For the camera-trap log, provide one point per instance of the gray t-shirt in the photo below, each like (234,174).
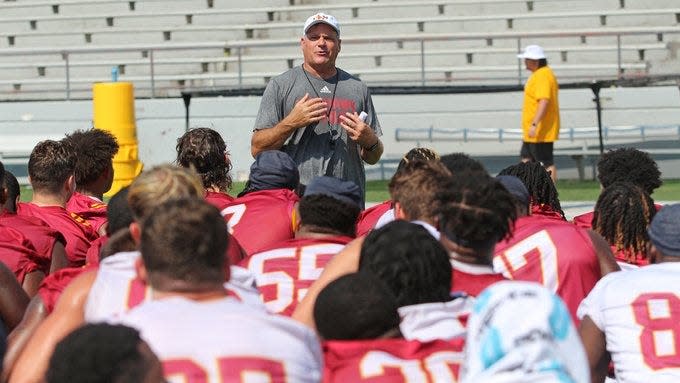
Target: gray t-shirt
(320,149)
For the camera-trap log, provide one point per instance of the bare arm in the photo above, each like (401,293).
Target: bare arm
(540,113)
(596,349)
(17,339)
(604,254)
(32,282)
(306,111)
(68,314)
(13,299)
(59,260)
(345,262)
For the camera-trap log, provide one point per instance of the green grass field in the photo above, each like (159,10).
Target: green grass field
(569,190)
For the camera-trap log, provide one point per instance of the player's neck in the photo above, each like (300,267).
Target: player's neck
(325,72)
(184,290)
(91,193)
(42,200)
(306,231)
(464,254)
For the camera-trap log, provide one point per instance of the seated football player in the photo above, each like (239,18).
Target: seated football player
(519,332)
(182,245)
(327,215)
(104,353)
(544,199)
(357,317)
(95,150)
(269,196)
(566,259)
(206,151)
(383,213)
(622,215)
(48,243)
(51,170)
(624,165)
(631,317)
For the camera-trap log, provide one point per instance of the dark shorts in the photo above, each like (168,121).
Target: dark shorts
(539,152)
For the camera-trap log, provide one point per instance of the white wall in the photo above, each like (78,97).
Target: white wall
(161,121)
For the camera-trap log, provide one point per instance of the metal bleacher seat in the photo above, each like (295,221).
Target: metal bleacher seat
(383,42)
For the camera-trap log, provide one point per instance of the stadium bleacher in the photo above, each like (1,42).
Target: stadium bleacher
(44,44)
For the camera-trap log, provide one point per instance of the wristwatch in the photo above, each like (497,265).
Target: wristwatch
(373,147)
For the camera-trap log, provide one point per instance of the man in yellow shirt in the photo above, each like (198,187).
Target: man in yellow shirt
(541,110)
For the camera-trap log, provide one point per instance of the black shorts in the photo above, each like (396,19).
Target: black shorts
(539,152)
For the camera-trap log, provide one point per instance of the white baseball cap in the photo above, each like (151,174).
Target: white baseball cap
(532,52)
(321,18)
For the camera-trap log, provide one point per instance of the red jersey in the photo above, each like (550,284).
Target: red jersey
(545,211)
(42,236)
(472,279)
(585,220)
(77,231)
(556,254)
(392,361)
(284,273)
(218,199)
(92,209)
(262,218)
(19,255)
(54,284)
(369,217)
(92,256)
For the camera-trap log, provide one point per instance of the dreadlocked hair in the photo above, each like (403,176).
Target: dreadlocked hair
(475,211)
(422,154)
(622,215)
(538,182)
(629,165)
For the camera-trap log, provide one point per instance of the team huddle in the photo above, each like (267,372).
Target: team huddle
(460,276)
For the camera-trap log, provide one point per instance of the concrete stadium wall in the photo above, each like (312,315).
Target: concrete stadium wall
(161,121)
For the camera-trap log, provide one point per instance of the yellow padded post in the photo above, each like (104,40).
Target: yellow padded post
(114,111)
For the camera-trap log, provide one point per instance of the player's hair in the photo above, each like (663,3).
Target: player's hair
(422,154)
(476,212)
(629,165)
(622,215)
(206,151)
(99,353)
(355,306)
(415,186)
(461,162)
(325,214)
(11,185)
(118,242)
(184,240)
(538,182)
(95,149)
(51,163)
(118,212)
(161,184)
(410,261)
(542,63)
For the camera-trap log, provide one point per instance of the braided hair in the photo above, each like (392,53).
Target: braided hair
(631,165)
(476,211)
(538,182)
(622,215)
(422,154)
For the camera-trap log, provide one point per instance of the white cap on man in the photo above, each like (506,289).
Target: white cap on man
(321,18)
(532,52)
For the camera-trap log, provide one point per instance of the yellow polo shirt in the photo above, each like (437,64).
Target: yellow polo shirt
(542,84)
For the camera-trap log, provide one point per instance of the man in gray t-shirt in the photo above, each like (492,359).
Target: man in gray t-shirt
(314,112)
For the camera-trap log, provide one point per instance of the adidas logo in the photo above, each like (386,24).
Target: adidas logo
(325,89)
